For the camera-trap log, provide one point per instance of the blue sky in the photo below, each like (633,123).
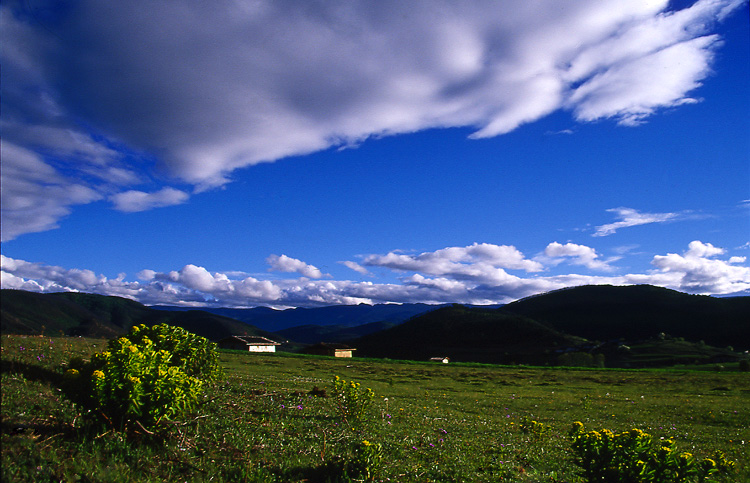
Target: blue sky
(303,154)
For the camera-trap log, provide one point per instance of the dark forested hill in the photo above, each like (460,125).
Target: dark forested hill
(467,334)
(603,312)
(102,316)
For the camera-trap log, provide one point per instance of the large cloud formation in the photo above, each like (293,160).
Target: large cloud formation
(105,91)
(470,274)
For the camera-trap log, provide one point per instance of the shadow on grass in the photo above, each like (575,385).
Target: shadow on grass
(37,430)
(32,372)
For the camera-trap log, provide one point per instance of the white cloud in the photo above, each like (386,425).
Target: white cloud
(481,263)
(34,195)
(576,254)
(270,79)
(630,217)
(51,277)
(650,62)
(287,264)
(132,200)
(697,249)
(697,270)
(357,268)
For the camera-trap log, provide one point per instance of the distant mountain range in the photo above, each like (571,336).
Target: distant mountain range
(632,326)
(342,316)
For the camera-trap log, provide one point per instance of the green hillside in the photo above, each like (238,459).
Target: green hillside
(91,315)
(604,312)
(467,334)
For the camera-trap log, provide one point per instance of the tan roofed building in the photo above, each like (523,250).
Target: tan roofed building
(248,343)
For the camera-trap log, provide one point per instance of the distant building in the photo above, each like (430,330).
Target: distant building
(443,360)
(248,343)
(330,349)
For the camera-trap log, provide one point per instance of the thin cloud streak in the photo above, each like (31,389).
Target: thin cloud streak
(630,217)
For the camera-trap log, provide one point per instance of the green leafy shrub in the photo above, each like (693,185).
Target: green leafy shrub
(633,457)
(366,461)
(351,400)
(150,375)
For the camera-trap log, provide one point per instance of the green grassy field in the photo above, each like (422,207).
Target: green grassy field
(435,422)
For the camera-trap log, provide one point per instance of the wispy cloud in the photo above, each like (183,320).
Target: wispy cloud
(271,79)
(699,269)
(287,264)
(357,268)
(630,217)
(133,200)
(35,195)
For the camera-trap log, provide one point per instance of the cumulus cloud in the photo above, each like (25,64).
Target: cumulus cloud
(482,263)
(104,88)
(287,264)
(576,254)
(132,200)
(630,217)
(698,270)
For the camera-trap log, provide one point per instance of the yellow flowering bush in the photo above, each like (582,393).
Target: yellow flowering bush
(351,400)
(533,428)
(633,457)
(150,375)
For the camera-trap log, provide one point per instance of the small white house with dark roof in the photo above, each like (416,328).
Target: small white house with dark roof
(248,343)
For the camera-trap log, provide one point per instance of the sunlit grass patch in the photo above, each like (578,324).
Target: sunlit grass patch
(266,421)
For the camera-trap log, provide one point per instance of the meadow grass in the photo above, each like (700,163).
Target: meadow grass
(434,422)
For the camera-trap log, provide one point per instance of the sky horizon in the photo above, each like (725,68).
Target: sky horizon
(302,154)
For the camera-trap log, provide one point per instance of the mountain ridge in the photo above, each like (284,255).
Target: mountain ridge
(578,322)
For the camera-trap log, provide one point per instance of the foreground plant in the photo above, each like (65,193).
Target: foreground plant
(366,461)
(633,457)
(351,400)
(151,375)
